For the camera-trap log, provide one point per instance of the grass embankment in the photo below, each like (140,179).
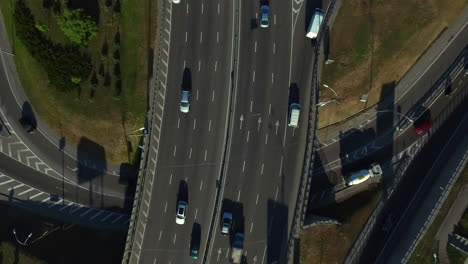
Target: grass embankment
(373,44)
(428,246)
(97,112)
(331,243)
(54,242)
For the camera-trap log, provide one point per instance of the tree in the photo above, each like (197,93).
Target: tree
(78,27)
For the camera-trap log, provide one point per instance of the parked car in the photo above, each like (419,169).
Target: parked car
(422,124)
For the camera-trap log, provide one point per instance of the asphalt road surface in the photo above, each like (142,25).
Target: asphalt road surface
(191,145)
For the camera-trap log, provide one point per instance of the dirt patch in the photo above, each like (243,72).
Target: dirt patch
(383,41)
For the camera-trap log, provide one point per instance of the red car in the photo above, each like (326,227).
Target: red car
(422,124)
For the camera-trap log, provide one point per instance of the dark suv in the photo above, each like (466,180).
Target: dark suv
(27,125)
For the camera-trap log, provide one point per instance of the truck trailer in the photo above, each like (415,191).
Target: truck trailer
(364,175)
(315,23)
(237,248)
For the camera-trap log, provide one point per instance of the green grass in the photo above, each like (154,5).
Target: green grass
(99,114)
(455,256)
(10,253)
(428,245)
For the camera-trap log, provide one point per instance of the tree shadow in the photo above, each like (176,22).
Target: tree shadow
(187,80)
(27,113)
(277,232)
(90,8)
(128,176)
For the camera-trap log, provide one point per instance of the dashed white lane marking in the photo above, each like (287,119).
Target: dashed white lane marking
(206,152)
(57,202)
(251,106)
(201,185)
(21,193)
(281,166)
(201,37)
(190,154)
(243,166)
(66,206)
(255,48)
(194,123)
(197,94)
(274,19)
(253,76)
(46,199)
(184,64)
(36,195)
(212,96)
(261,171)
(248,135)
(199,65)
(238,195)
(178,122)
(217,37)
(86,212)
(187,8)
(256,201)
(264,250)
(276,194)
(16,187)
(170,179)
(269,109)
(76,209)
(274,47)
(175,236)
(202,8)
(160,234)
(266,138)
(218,8)
(165,207)
(251,227)
(96,215)
(209,126)
(272,77)
(196,213)
(175,149)
(186,37)
(216,65)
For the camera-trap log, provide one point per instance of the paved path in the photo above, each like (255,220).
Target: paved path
(452,218)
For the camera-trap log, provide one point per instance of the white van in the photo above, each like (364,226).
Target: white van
(294,111)
(315,23)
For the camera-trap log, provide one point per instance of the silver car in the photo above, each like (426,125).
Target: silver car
(185,101)
(181,212)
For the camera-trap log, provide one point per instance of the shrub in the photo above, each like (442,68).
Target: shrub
(78,27)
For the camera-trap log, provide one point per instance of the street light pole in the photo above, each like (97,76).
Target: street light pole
(25,241)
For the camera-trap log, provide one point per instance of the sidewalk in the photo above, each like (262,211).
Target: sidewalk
(330,134)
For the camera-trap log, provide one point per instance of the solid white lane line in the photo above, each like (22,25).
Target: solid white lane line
(170,179)
(281,166)
(206,152)
(201,37)
(269,109)
(266,138)
(165,207)
(261,172)
(160,234)
(209,126)
(253,76)
(251,105)
(238,196)
(216,65)
(175,149)
(243,167)
(194,123)
(178,122)
(190,154)
(199,65)
(212,96)
(256,201)
(202,8)
(201,185)
(248,135)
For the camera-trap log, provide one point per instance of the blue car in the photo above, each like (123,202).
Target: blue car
(264,9)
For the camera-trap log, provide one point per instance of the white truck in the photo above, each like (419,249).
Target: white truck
(237,247)
(315,23)
(363,175)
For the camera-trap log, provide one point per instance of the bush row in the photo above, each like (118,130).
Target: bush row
(66,66)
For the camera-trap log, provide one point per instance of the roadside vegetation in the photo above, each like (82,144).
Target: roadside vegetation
(428,246)
(331,243)
(84,66)
(383,41)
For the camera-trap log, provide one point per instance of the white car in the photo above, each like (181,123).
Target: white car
(185,101)
(181,212)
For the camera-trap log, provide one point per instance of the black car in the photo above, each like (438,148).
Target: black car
(27,125)
(449,90)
